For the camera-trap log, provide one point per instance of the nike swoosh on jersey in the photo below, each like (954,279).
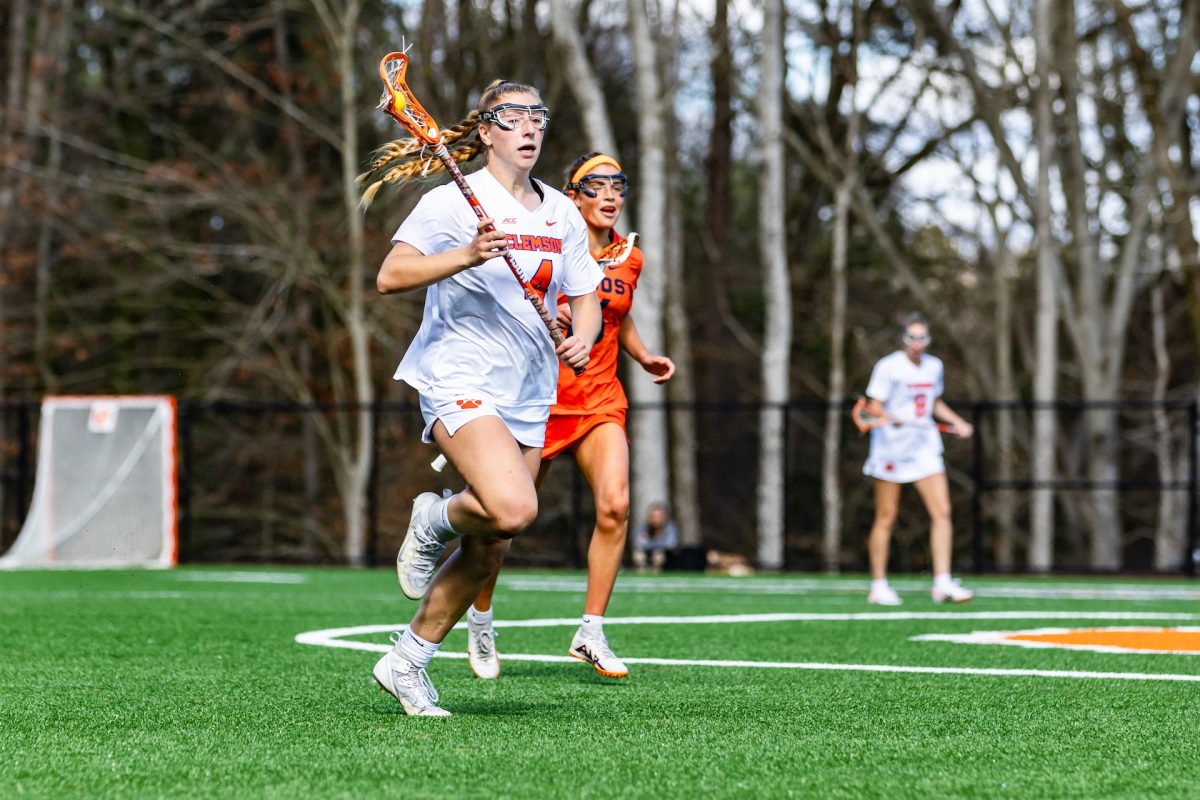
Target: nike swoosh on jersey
(549,223)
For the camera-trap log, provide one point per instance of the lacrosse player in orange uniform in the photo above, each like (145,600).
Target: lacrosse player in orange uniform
(589,418)
(483,362)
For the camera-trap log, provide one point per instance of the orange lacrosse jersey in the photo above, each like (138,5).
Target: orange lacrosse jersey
(597,390)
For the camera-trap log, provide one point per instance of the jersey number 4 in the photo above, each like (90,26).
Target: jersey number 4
(541,279)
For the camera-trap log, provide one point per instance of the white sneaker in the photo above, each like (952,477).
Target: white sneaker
(408,683)
(419,554)
(951,592)
(481,649)
(884,596)
(595,651)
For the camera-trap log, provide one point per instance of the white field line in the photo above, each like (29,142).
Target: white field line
(1002,637)
(328,638)
(333,637)
(241,577)
(804,587)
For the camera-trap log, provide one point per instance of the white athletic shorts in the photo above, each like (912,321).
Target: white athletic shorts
(526,423)
(909,470)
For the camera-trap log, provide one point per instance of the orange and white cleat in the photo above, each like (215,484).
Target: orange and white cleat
(595,651)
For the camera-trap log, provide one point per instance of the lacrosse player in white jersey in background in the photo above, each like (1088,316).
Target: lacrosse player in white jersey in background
(905,393)
(482,361)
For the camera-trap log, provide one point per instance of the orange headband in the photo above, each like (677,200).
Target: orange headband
(591,164)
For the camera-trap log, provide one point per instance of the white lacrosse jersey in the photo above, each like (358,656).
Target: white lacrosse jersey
(908,392)
(478,331)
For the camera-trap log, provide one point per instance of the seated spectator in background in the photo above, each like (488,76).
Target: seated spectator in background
(655,539)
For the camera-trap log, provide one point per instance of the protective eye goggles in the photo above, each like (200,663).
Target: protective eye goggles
(592,185)
(510,115)
(917,338)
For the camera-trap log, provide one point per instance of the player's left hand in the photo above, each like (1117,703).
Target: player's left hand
(574,352)
(661,367)
(964,429)
(564,315)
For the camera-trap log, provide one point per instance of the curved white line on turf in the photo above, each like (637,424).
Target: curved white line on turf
(332,637)
(1001,637)
(325,637)
(804,665)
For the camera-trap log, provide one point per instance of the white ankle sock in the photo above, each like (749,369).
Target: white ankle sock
(879,583)
(439,520)
(593,625)
(942,581)
(415,649)
(480,617)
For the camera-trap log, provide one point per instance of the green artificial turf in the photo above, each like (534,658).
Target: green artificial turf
(189,683)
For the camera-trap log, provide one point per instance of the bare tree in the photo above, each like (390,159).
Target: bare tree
(582,78)
(777,333)
(1041,544)
(1168,539)
(847,159)
(650,479)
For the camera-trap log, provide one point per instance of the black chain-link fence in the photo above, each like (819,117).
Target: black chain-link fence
(257,483)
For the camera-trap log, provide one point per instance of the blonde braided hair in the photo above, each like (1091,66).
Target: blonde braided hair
(406,161)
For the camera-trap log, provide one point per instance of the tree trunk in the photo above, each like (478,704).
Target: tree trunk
(1041,544)
(301,211)
(831,488)
(58,58)
(777,333)
(649,479)
(681,388)
(359,462)
(1168,531)
(1004,499)
(582,80)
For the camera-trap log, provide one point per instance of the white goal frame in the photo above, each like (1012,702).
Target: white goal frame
(154,504)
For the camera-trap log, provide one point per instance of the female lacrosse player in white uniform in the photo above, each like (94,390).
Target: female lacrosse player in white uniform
(482,361)
(905,391)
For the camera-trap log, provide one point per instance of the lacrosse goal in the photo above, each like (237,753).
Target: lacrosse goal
(105,491)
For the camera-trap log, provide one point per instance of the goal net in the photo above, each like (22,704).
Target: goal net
(105,489)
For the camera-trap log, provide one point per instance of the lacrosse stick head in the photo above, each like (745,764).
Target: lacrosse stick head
(399,104)
(617,252)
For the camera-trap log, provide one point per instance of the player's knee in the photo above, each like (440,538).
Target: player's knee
(612,510)
(940,513)
(513,514)
(885,518)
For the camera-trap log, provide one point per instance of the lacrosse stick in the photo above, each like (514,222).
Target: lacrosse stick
(865,421)
(617,252)
(399,103)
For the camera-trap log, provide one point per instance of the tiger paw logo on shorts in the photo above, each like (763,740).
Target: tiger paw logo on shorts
(467,405)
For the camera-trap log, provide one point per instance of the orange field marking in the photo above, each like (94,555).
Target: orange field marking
(1133,639)
(1157,640)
